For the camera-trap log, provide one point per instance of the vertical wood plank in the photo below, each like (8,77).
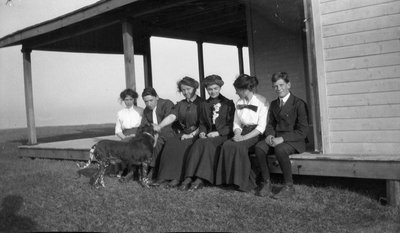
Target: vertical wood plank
(318,54)
(148,74)
(312,80)
(393,192)
(200,59)
(240,58)
(129,56)
(30,113)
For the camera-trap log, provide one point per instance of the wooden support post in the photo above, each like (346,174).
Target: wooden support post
(393,192)
(318,56)
(30,113)
(129,55)
(250,36)
(201,67)
(240,56)
(311,80)
(148,76)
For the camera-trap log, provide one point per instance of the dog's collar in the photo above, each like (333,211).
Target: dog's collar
(149,134)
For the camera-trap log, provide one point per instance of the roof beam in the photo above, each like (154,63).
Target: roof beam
(63,21)
(161,32)
(218,27)
(95,25)
(67,34)
(210,22)
(191,13)
(152,9)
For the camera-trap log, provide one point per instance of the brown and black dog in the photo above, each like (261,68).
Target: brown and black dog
(137,152)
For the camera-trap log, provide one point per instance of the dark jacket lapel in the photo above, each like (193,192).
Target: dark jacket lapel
(159,109)
(275,107)
(288,106)
(147,114)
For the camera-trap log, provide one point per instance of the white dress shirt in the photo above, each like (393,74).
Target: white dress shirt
(128,118)
(285,98)
(155,121)
(247,116)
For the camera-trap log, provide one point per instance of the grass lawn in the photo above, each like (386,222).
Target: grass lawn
(47,195)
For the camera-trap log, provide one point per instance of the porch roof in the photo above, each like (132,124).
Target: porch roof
(217,21)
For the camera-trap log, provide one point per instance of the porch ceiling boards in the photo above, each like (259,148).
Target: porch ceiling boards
(84,30)
(97,28)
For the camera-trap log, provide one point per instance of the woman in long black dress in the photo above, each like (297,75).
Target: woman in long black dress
(234,166)
(216,119)
(185,119)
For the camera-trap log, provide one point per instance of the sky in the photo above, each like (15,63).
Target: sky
(78,89)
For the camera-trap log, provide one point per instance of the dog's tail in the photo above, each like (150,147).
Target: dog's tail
(91,157)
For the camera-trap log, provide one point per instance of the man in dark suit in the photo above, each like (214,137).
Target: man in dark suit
(286,132)
(156,110)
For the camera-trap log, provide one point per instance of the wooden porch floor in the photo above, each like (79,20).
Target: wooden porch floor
(77,149)
(341,165)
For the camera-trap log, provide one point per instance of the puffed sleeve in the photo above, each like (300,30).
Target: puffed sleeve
(237,124)
(262,115)
(118,125)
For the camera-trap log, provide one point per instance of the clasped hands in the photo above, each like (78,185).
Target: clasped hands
(238,138)
(209,135)
(273,141)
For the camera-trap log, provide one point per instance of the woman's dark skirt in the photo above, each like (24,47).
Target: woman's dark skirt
(203,158)
(173,158)
(234,166)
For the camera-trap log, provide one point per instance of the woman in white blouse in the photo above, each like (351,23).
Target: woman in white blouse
(129,118)
(250,119)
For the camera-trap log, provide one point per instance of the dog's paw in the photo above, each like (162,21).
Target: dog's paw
(145,182)
(97,186)
(82,165)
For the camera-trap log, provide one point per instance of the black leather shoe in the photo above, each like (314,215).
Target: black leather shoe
(286,192)
(196,186)
(265,189)
(172,184)
(153,183)
(184,187)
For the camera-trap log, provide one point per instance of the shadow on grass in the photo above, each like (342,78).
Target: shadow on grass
(10,221)
(372,188)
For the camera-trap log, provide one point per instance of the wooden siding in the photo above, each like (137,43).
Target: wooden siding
(361,46)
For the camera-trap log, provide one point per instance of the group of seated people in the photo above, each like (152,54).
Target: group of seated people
(207,142)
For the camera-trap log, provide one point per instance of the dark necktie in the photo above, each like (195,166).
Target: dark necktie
(251,107)
(281,103)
